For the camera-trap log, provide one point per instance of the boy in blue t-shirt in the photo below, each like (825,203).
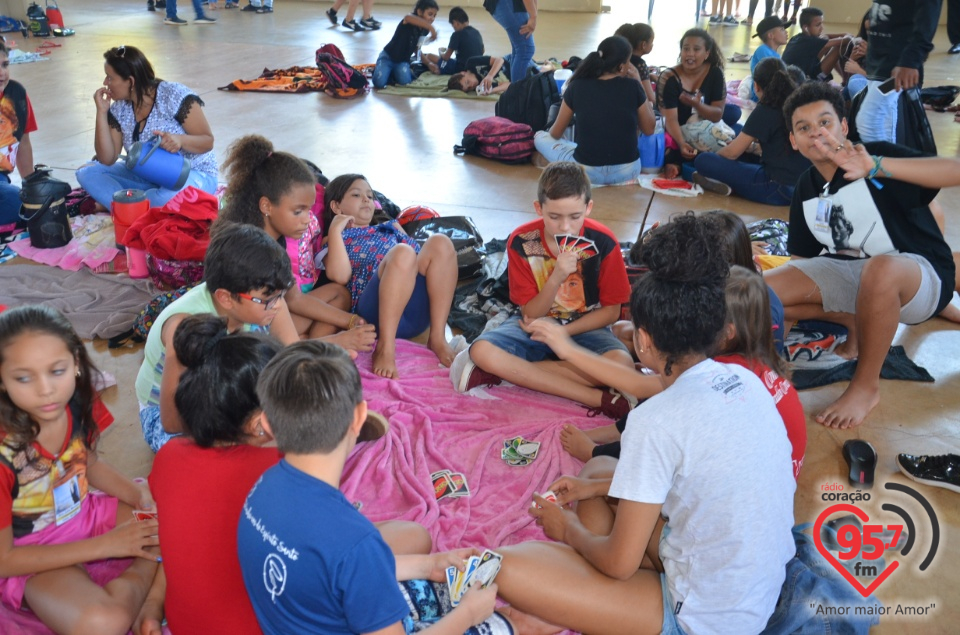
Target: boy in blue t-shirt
(312,563)
(773,34)
(466,42)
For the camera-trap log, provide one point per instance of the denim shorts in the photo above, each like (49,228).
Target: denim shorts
(670,624)
(416,315)
(514,340)
(153,432)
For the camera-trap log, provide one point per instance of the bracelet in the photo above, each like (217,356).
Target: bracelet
(352,324)
(878,168)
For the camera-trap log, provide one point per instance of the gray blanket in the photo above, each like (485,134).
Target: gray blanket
(98,305)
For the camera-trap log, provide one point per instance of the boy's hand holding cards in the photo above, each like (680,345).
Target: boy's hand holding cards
(583,247)
(547,496)
(482,569)
(449,484)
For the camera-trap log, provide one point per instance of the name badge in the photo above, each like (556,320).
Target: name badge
(66,498)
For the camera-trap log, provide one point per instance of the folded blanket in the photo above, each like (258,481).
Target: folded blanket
(96,305)
(430,85)
(433,428)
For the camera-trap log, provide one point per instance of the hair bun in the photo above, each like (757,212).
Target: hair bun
(196,337)
(685,251)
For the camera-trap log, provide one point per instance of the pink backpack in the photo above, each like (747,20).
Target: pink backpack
(497,138)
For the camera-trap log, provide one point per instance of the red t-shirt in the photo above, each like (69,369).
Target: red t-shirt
(200,494)
(600,279)
(40,472)
(788,404)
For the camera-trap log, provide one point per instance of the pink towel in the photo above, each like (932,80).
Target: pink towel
(432,428)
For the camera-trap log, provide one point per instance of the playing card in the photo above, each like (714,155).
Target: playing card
(529,449)
(442,485)
(452,583)
(518,462)
(439,473)
(547,496)
(139,514)
(465,578)
(565,241)
(488,568)
(459,484)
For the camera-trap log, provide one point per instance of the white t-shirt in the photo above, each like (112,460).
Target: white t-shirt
(713,449)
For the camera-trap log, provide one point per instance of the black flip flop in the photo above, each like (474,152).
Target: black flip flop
(862,459)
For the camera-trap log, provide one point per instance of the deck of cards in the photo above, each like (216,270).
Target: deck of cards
(483,569)
(518,451)
(141,514)
(583,247)
(449,484)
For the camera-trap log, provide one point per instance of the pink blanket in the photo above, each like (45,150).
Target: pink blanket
(432,428)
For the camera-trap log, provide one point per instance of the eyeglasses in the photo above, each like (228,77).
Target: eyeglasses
(267,303)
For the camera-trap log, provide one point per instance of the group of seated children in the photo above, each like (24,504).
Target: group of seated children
(659,561)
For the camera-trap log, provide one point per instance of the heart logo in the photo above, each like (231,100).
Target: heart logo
(817,539)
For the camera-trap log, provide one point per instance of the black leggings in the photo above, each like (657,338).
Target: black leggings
(767,12)
(612,449)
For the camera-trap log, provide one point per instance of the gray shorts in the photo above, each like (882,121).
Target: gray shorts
(839,284)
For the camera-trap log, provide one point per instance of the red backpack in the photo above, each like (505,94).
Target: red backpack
(343,80)
(497,138)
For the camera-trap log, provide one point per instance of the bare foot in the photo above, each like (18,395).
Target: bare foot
(443,351)
(671,171)
(847,349)
(385,360)
(951,312)
(527,624)
(576,442)
(851,408)
(360,338)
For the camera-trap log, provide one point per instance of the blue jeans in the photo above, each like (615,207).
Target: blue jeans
(386,67)
(522,46)
(172,8)
(9,201)
(811,581)
(731,117)
(748,180)
(562,150)
(102,181)
(511,338)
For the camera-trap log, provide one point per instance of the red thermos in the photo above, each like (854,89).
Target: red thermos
(54,17)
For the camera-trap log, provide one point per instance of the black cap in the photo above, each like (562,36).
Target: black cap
(767,24)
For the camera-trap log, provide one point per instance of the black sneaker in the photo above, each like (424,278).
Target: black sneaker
(250,8)
(332,14)
(938,471)
(150,6)
(370,23)
(354,25)
(712,185)
(175,21)
(205,19)
(265,10)
(161,4)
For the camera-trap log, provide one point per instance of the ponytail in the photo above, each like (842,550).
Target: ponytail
(609,56)
(772,78)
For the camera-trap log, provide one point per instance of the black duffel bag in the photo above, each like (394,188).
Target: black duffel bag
(44,209)
(461,231)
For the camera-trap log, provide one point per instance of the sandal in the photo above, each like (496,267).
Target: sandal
(49,45)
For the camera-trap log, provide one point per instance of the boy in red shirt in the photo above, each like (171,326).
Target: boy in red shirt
(563,267)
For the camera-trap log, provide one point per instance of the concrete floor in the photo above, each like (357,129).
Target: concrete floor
(404,148)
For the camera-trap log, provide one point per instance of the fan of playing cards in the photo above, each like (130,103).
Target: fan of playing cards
(483,569)
(584,247)
(518,451)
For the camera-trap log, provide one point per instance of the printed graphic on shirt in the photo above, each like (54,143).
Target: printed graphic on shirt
(848,222)
(13,120)
(579,293)
(274,575)
(729,384)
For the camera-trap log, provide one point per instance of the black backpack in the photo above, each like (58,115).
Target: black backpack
(939,97)
(913,127)
(529,100)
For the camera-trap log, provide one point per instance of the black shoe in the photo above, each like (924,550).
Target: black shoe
(150,6)
(332,15)
(353,25)
(250,8)
(939,471)
(161,4)
(954,49)
(370,23)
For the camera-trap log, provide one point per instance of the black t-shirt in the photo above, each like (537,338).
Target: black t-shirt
(467,42)
(480,65)
(900,34)
(865,221)
(404,42)
(804,51)
(782,163)
(713,88)
(607,119)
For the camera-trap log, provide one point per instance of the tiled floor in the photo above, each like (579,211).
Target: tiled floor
(404,148)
